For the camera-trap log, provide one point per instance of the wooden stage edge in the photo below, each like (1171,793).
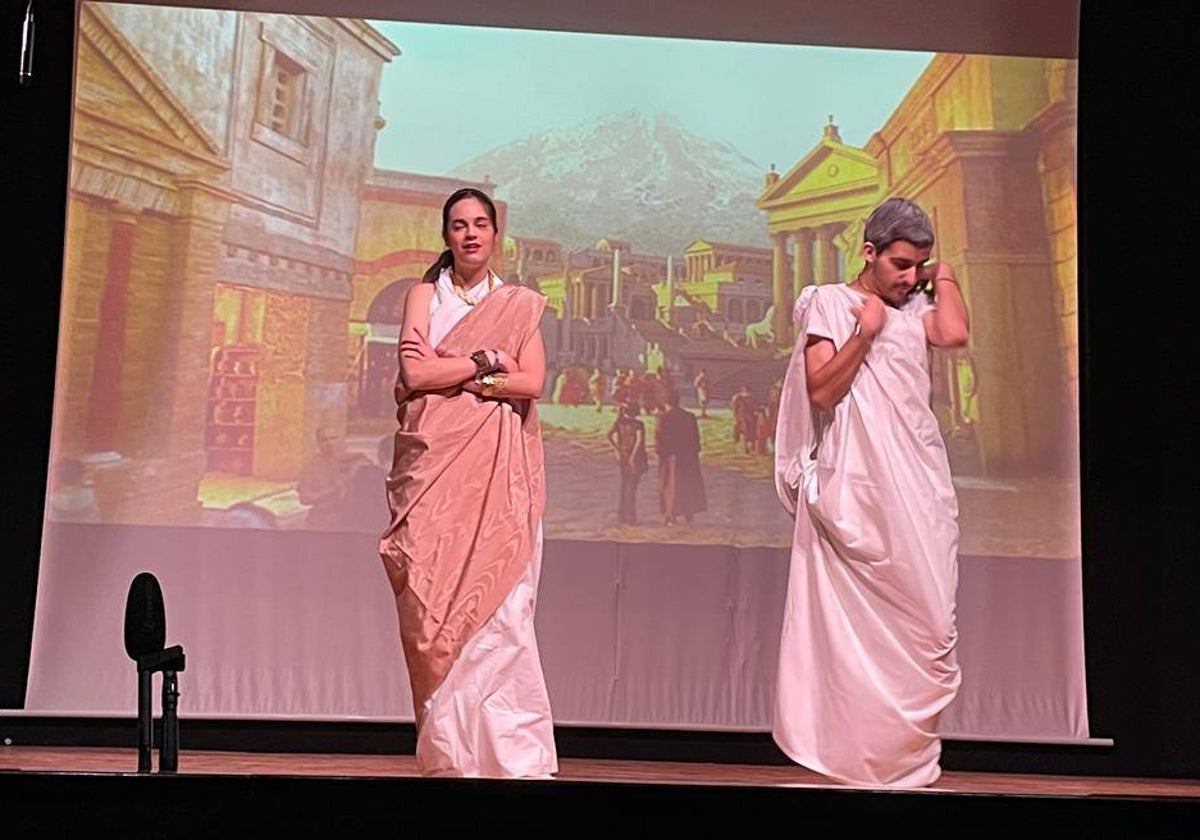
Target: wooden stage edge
(48,787)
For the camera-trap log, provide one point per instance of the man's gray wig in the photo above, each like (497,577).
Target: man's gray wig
(898,218)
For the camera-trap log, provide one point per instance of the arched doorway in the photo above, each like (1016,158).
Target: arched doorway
(380,365)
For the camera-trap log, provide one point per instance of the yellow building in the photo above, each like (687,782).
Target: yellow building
(986,145)
(528,259)
(586,290)
(732,281)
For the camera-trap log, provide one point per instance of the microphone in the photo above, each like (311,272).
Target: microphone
(25,73)
(145,617)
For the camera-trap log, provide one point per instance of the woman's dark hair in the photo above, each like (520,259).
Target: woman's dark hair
(446,258)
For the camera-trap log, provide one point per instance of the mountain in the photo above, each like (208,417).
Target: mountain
(632,176)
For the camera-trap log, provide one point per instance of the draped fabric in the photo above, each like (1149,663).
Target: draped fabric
(866,661)
(491,714)
(466,491)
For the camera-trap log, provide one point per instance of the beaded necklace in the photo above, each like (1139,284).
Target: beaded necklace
(465,297)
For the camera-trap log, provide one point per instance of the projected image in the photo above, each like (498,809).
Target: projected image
(253,195)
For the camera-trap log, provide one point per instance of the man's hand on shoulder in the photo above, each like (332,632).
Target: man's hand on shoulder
(870,315)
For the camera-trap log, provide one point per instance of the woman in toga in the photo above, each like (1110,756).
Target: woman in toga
(466,491)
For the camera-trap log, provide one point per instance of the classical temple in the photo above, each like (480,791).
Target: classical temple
(611,308)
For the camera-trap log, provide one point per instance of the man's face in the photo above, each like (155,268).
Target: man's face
(895,269)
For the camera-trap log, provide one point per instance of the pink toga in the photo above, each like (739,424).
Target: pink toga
(463,551)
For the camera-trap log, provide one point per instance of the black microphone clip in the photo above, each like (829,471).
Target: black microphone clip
(168,659)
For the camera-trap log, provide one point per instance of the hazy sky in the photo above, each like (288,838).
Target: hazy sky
(457,91)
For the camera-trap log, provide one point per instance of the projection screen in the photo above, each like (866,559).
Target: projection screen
(252,194)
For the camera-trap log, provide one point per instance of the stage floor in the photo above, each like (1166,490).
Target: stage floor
(96,792)
(107,760)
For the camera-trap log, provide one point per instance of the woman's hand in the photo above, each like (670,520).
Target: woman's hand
(504,362)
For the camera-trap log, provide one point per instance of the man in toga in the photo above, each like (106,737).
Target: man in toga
(866,661)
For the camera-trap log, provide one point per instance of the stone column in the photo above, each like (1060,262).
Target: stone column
(104,408)
(781,324)
(178,409)
(616,279)
(596,294)
(802,260)
(670,289)
(569,305)
(197,243)
(826,255)
(998,245)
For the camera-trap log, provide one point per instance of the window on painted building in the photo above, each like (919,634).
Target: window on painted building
(289,104)
(284,97)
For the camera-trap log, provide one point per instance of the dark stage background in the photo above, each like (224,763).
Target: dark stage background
(1138,415)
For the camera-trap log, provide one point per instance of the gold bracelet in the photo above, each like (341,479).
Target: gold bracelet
(493,384)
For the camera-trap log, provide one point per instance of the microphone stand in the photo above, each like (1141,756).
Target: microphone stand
(145,729)
(170,661)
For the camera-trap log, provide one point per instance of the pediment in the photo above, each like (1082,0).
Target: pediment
(124,108)
(828,168)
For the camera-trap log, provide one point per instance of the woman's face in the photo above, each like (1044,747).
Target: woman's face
(470,235)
